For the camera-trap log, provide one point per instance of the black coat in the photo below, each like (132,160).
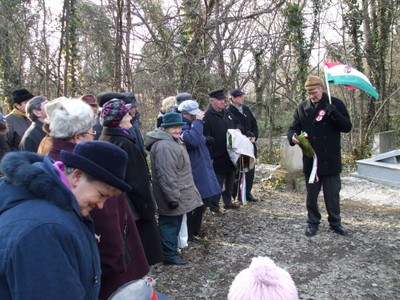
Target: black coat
(32,137)
(248,121)
(324,135)
(140,197)
(216,125)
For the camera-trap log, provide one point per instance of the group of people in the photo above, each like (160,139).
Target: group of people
(77,190)
(60,165)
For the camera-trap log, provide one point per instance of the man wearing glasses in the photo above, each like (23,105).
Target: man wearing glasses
(322,119)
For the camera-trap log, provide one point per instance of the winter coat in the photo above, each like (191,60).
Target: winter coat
(122,255)
(216,125)
(247,120)
(324,135)
(32,137)
(172,175)
(140,197)
(17,123)
(58,145)
(47,249)
(137,174)
(203,173)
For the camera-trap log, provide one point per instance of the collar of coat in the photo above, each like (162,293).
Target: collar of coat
(31,176)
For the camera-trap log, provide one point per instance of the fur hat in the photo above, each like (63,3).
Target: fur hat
(130,99)
(69,117)
(313,82)
(102,160)
(263,280)
(113,112)
(20,95)
(217,94)
(183,97)
(103,97)
(172,119)
(189,106)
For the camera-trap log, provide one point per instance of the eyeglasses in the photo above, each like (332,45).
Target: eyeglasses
(93,133)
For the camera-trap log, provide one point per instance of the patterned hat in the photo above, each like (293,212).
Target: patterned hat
(313,82)
(113,112)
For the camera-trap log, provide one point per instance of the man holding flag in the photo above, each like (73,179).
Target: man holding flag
(322,119)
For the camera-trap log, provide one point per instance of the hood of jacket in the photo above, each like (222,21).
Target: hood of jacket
(156,135)
(28,176)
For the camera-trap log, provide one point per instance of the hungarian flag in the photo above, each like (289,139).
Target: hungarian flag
(338,73)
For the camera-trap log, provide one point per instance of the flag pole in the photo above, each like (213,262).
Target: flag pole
(327,83)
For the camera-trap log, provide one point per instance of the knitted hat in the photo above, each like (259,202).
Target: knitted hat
(103,161)
(113,112)
(217,94)
(182,97)
(313,82)
(20,95)
(172,119)
(189,106)
(263,280)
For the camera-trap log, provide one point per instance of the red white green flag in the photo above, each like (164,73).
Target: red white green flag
(338,73)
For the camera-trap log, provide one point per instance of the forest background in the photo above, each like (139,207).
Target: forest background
(157,49)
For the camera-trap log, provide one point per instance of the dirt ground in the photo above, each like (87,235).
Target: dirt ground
(363,265)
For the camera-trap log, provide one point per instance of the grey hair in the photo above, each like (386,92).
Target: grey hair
(69,118)
(34,103)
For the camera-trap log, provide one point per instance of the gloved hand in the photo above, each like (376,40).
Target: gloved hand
(210,141)
(331,110)
(173,205)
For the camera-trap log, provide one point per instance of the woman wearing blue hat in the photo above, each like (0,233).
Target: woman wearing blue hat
(173,184)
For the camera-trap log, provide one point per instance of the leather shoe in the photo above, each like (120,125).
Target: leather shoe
(251,199)
(232,206)
(339,229)
(177,261)
(218,213)
(311,230)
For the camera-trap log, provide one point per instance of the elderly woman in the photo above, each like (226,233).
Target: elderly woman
(48,245)
(173,183)
(139,206)
(168,104)
(70,122)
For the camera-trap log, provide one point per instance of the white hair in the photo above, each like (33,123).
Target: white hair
(70,117)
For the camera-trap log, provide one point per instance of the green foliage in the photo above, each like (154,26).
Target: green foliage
(274,182)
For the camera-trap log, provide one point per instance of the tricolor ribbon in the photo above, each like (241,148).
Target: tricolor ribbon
(313,176)
(320,115)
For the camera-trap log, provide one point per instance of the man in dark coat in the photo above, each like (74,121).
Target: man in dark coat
(323,122)
(250,129)
(35,133)
(217,121)
(17,120)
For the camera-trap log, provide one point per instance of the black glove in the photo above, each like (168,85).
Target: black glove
(173,205)
(331,110)
(210,141)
